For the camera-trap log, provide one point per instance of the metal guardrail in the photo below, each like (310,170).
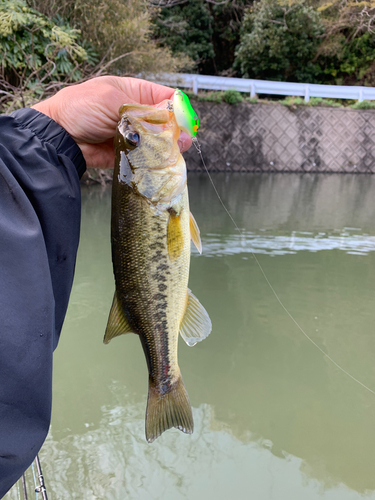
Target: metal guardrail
(254,87)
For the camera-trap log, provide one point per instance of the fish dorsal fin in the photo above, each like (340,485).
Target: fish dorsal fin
(196,324)
(195,233)
(175,236)
(117,322)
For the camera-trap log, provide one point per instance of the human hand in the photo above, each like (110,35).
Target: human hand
(89,112)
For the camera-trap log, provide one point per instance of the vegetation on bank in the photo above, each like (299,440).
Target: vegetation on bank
(46,44)
(235,97)
(314,41)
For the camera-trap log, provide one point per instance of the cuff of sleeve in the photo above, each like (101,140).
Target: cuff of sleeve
(47,130)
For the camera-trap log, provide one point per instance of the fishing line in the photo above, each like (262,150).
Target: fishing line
(199,149)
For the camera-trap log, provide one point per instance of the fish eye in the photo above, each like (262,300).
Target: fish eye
(132,138)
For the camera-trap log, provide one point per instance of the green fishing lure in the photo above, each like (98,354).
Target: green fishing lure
(186,117)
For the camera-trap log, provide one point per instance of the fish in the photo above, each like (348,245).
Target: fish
(151,231)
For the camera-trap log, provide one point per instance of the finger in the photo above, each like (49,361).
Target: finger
(145,92)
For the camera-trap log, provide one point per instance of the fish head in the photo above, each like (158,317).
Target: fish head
(147,154)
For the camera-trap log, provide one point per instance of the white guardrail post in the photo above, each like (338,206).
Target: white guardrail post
(252,91)
(195,85)
(307,95)
(306,90)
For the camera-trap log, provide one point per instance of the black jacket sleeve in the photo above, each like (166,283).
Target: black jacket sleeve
(40,167)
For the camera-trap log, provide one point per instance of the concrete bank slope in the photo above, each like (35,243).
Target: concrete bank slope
(276,138)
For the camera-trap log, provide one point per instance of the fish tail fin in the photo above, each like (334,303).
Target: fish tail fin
(171,409)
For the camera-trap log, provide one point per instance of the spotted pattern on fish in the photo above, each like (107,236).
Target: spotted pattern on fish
(151,280)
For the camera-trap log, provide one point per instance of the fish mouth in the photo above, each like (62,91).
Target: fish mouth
(147,114)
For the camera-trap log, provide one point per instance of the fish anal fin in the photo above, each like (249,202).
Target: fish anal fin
(195,233)
(196,324)
(175,236)
(168,410)
(117,322)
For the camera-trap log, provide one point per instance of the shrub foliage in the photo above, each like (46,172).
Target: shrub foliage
(47,44)
(279,41)
(38,54)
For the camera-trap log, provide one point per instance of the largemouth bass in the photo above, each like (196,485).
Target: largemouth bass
(151,230)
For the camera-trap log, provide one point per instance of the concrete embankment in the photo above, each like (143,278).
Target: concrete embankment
(276,138)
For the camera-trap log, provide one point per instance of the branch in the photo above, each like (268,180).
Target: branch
(6,93)
(278,22)
(114,60)
(218,3)
(167,3)
(106,54)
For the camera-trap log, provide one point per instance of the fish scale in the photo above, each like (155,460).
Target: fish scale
(150,233)
(138,284)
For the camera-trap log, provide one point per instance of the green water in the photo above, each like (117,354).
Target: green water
(274,418)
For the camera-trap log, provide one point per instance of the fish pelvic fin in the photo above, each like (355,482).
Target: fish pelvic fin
(195,233)
(196,324)
(168,410)
(117,324)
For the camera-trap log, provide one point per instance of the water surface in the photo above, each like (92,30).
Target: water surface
(274,418)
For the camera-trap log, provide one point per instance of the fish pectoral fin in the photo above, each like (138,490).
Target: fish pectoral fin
(196,324)
(117,322)
(175,236)
(195,233)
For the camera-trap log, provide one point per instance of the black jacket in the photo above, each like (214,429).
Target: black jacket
(40,167)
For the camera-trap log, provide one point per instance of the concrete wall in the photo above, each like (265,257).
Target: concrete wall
(274,138)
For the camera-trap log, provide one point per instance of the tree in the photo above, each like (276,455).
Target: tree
(347,52)
(279,41)
(120,31)
(46,44)
(186,29)
(37,54)
(205,30)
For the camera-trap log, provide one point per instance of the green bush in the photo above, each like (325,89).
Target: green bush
(210,97)
(346,54)
(347,62)
(205,30)
(120,31)
(37,53)
(33,45)
(363,105)
(228,96)
(186,29)
(279,41)
(293,102)
(320,101)
(46,44)
(232,96)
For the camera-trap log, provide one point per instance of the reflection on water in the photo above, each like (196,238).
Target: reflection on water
(112,462)
(271,244)
(274,419)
